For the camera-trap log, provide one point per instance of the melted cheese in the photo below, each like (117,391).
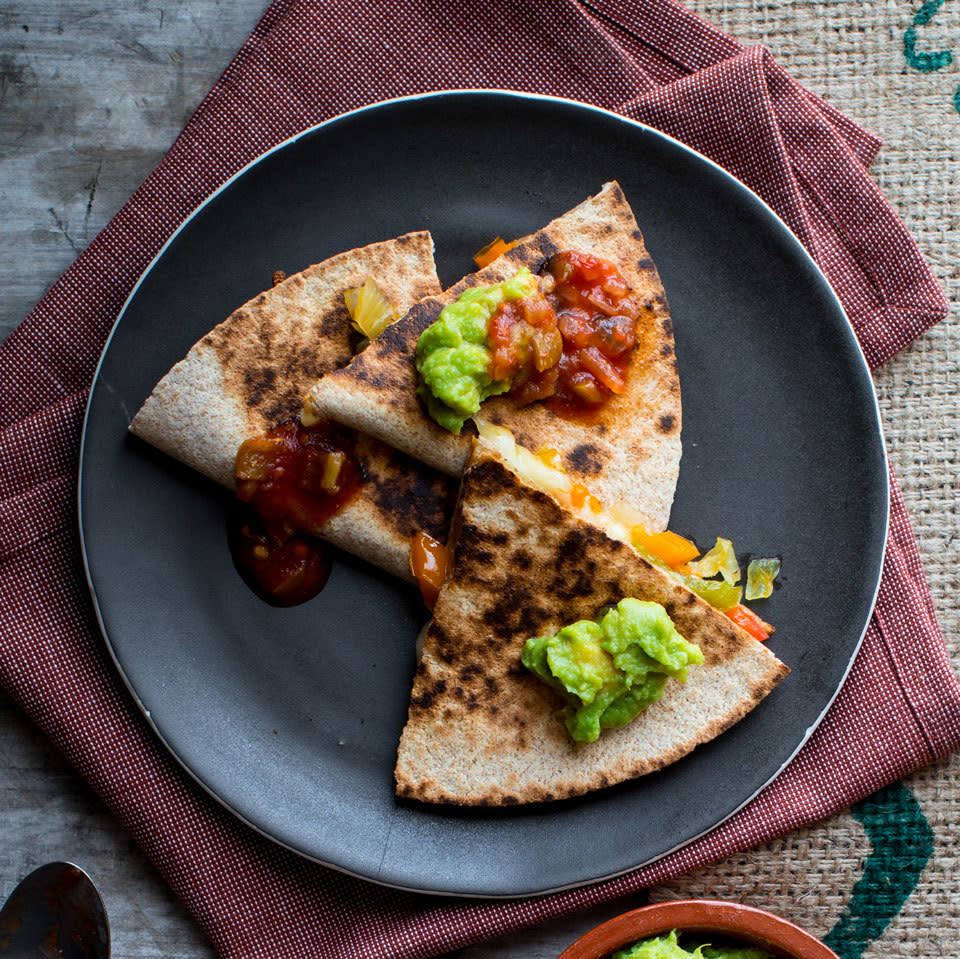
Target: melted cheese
(536,472)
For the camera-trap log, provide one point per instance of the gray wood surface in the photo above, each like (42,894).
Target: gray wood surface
(91,96)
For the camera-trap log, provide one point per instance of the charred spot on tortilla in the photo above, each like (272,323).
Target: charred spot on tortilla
(426,503)
(283,409)
(585,459)
(258,384)
(522,558)
(447,657)
(426,698)
(441,637)
(514,612)
(570,549)
(572,584)
(517,256)
(334,324)
(667,423)
(389,342)
(397,338)
(421,506)
(546,248)
(387,379)
(474,552)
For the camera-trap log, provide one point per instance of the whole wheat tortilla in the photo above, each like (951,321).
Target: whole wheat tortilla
(481,729)
(251,372)
(631,453)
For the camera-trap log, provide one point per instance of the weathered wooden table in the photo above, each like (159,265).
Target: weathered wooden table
(93,94)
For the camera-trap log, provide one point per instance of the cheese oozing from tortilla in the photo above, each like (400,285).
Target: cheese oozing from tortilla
(535,471)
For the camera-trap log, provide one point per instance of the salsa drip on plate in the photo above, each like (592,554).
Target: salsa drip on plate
(293,479)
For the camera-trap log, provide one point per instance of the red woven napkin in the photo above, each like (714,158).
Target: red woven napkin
(306,61)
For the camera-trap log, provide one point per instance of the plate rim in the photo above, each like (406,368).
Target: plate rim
(480,93)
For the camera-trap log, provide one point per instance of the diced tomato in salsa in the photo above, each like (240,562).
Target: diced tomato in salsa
(573,343)
(597,317)
(525,341)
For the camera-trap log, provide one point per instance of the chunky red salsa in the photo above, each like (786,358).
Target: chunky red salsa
(572,342)
(294,478)
(281,572)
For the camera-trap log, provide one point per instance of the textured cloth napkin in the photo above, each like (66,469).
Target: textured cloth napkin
(651,60)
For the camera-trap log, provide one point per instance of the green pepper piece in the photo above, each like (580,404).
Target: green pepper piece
(760,576)
(716,592)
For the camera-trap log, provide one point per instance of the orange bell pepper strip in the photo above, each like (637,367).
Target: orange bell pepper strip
(491,251)
(748,620)
(672,548)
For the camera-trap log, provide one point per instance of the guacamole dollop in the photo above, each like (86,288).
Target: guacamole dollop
(667,947)
(610,669)
(453,354)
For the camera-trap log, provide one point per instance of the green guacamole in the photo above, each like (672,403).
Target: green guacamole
(610,669)
(453,353)
(667,947)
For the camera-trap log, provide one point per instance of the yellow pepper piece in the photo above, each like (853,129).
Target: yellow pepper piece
(578,495)
(369,309)
(549,457)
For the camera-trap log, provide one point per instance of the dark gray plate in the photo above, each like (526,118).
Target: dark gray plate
(291,717)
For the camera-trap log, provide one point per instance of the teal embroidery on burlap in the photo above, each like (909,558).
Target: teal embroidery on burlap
(902,844)
(917,59)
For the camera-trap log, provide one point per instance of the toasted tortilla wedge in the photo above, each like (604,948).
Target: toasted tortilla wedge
(481,729)
(251,371)
(630,454)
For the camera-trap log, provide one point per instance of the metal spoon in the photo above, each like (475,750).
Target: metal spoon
(55,913)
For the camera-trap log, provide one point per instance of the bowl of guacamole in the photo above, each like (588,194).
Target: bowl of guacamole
(698,929)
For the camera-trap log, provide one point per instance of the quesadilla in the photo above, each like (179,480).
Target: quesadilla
(629,451)
(251,372)
(482,729)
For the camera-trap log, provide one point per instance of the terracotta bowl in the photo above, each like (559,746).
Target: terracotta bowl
(731,920)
